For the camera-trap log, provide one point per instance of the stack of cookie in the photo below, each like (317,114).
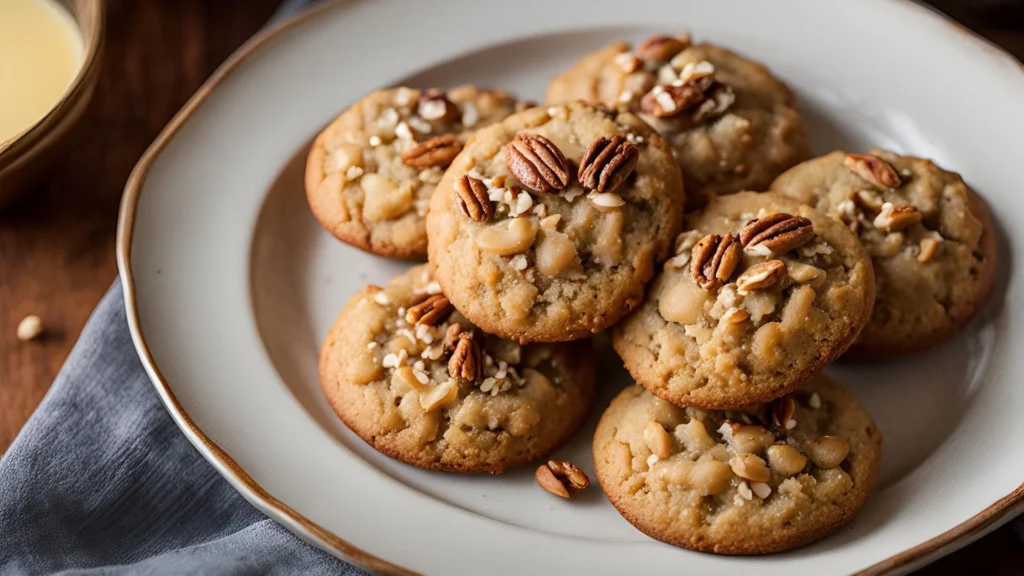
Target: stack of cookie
(546,225)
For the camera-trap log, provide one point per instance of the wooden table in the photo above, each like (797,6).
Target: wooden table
(57,245)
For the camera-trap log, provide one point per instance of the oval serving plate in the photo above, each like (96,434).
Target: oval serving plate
(230,285)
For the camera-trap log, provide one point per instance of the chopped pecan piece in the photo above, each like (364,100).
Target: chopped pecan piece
(439,151)
(607,163)
(760,276)
(561,478)
(465,363)
(435,105)
(664,101)
(660,48)
(537,162)
(431,311)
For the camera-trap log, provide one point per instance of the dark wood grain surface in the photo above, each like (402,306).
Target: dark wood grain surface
(57,244)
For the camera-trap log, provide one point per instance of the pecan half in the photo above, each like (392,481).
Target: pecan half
(439,151)
(663,101)
(435,105)
(714,259)
(660,48)
(873,169)
(432,310)
(465,363)
(896,218)
(537,163)
(561,478)
(760,276)
(607,163)
(471,195)
(776,234)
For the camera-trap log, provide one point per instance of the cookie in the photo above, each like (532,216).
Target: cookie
(732,125)
(764,293)
(549,224)
(930,237)
(419,383)
(370,174)
(757,481)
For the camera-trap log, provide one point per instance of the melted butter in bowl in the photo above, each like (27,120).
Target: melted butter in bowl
(41,52)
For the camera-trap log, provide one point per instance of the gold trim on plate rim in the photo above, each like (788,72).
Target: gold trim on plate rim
(944,543)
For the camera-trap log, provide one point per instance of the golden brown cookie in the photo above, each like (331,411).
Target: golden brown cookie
(549,224)
(419,383)
(762,480)
(764,293)
(930,237)
(732,125)
(370,174)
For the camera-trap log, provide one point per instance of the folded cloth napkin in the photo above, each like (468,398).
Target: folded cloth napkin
(101,480)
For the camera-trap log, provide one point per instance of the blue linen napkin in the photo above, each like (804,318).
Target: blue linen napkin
(101,481)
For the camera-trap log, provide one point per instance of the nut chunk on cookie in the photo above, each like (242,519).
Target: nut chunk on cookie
(930,237)
(763,293)
(730,123)
(754,481)
(418,382)
(549,224)
(370,174)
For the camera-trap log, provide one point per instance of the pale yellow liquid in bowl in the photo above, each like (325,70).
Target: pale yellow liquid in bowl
(41,51)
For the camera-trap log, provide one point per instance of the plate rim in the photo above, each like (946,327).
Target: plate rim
(928,551)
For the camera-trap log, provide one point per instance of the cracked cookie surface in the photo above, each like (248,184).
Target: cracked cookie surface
(736,482)
(370,173)
(763,293)
(731,124)
(930,237)
(415,380)
(528,252)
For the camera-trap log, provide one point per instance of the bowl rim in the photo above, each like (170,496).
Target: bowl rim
(25,140)
(953,539)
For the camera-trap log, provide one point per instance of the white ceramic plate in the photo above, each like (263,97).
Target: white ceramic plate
(231,286)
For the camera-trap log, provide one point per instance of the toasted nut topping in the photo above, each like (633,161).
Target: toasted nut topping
(735,316)
(750,467)
(873,169)
(803,273)
(537,163)
(561,478)
(435,105)
(664,101)
(660,48)
(895,218)
(776,234)
(868,200)
(658,440)
(439,396)
(785,460)
(628,62)
(507,237)
(451,336)
(465,363)
(606,201)
(744,490)
(411,378)
(761,489)
(827,452)
(714,259)
(760,276)
(471,195)
(439,151)
(607,163)
(782,412)
(928,248)
(694,70)
(29,328)
(432,310)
